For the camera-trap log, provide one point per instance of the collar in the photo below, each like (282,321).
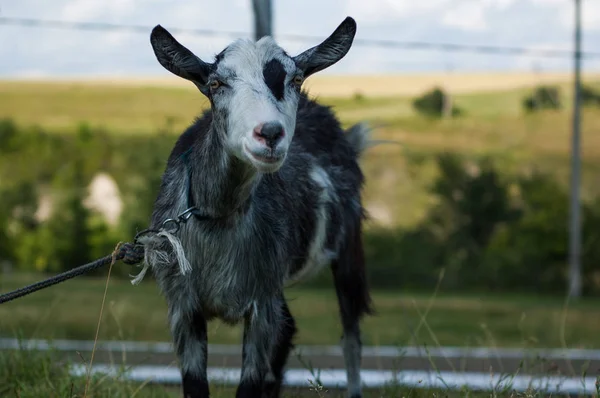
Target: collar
(191,207)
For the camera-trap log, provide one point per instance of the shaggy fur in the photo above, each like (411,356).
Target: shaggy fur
(267,224)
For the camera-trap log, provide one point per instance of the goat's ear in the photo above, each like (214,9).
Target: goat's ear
(177,59)
(330,51)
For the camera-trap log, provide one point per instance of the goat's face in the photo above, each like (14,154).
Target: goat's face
(253,88)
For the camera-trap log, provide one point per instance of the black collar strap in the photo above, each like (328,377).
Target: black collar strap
(191,208)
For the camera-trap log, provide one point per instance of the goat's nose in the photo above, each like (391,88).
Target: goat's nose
(270,133)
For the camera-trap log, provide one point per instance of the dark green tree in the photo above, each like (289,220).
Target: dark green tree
(472,202)
(63,240)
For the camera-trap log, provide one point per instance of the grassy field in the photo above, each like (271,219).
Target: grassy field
(70,310)
(127,107)
(397,175)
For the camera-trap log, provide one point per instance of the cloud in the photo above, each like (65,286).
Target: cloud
(82,10)
(470,17)
(526,23)
(377,11)
(564,12)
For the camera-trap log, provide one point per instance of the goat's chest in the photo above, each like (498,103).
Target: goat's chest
(232,270)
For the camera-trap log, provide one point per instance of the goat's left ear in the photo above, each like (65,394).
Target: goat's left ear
(177,59)
(330,51)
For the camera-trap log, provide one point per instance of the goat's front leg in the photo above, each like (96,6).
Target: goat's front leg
(260,330)
(189,336)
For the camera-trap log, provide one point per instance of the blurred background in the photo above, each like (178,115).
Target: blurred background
(484,225)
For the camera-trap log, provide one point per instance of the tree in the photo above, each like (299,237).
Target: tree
(63,240)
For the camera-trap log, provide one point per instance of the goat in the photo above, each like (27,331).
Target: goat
(275,185)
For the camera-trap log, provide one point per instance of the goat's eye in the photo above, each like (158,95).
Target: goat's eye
(215,84)
(298,80)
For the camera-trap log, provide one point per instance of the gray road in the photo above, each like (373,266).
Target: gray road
(483,360)
(495,365)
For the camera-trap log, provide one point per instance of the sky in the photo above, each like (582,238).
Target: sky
(541,24)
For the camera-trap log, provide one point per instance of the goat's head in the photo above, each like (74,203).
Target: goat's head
(253,88)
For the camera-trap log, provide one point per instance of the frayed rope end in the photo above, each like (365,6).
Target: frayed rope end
(155,257)
(184,264)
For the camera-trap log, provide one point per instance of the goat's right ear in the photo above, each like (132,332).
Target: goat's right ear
(177,59)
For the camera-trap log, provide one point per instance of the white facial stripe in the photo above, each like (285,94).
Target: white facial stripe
(249,102)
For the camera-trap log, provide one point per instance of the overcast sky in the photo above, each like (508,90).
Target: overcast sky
(33,51)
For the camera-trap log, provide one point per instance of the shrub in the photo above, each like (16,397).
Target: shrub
(63,239)
(472,201)
(18,204)
(8,135)
(543,97)
(531,251)
(432,103)
(589,96)
(358,96)
(496,232)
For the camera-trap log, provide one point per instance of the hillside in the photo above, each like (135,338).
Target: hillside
(397,175)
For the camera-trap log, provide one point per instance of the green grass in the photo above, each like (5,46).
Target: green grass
(71,310)
(119,109)
(30,374)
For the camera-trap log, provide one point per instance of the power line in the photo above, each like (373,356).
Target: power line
(413,45)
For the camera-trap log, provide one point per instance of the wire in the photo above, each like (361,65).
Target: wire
(414,45)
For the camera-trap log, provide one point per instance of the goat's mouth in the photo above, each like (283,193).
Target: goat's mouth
(270,158)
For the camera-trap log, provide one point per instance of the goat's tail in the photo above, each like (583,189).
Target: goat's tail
(359,137)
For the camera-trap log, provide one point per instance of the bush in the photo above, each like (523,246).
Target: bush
(531,251)
(504,234)
(589,96)
(8,135)
(433,102)
(62,242)
(543,97)
(358,96)
(472,201)
(61,167)
(18,205)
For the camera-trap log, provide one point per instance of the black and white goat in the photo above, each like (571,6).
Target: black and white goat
(275,186)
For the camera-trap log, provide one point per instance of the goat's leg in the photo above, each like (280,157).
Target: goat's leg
(261,324)
(190,340)
(281,351)
(354,301)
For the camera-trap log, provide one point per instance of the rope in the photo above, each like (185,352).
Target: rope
(129,253)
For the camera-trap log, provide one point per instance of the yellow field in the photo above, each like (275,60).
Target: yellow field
(408,84)
(147,104)
(413,84)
